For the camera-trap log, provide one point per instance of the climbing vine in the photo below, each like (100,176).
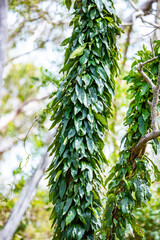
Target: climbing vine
(81,108)
(130,178)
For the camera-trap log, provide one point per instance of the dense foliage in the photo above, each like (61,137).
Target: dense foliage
(130,178)
(81,108)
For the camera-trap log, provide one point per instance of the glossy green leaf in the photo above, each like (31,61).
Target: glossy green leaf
(78,52)
(70,216)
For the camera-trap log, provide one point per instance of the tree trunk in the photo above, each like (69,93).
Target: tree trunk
(24,200)
(3,35)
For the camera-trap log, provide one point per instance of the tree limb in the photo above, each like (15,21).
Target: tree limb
(142,142)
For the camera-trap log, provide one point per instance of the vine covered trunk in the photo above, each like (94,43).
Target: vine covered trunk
(81,108)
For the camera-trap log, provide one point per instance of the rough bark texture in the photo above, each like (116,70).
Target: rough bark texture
(3,35)
(24,200)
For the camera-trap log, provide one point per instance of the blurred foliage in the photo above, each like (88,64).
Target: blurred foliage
(35,224)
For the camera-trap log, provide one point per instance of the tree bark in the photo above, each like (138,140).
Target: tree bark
(25,197)
(3,36)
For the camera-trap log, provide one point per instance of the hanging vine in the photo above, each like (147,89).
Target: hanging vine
(81,108)
(130,178)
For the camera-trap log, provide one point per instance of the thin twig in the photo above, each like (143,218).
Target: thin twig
(133,5)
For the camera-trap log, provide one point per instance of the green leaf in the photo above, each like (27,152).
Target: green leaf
(81,95)
(71,133)
(86,79)
(145,114)
(57,175)
(93,13)
(77,108)
(124,204)
(102,73)
(99,5)
(100,118)
(78,232)
(78,124)
(68,4)
(62,188)
(109,215)
(85,57)
(142,125)
(89,187)
(78,142)
(80,215)
(90,144)
(67,205)
(145,89)
(78,52)
(70,216)
(65,42)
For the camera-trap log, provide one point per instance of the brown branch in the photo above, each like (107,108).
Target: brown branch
(142,142)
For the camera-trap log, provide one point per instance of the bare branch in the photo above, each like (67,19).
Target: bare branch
(155,89)
(148,80)
(150,23)
(133,5)
(29,52)
(12,115)
(148,61)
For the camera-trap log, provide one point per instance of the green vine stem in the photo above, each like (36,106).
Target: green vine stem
(81,108)
(130,178)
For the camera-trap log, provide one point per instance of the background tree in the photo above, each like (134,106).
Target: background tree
(3,35)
